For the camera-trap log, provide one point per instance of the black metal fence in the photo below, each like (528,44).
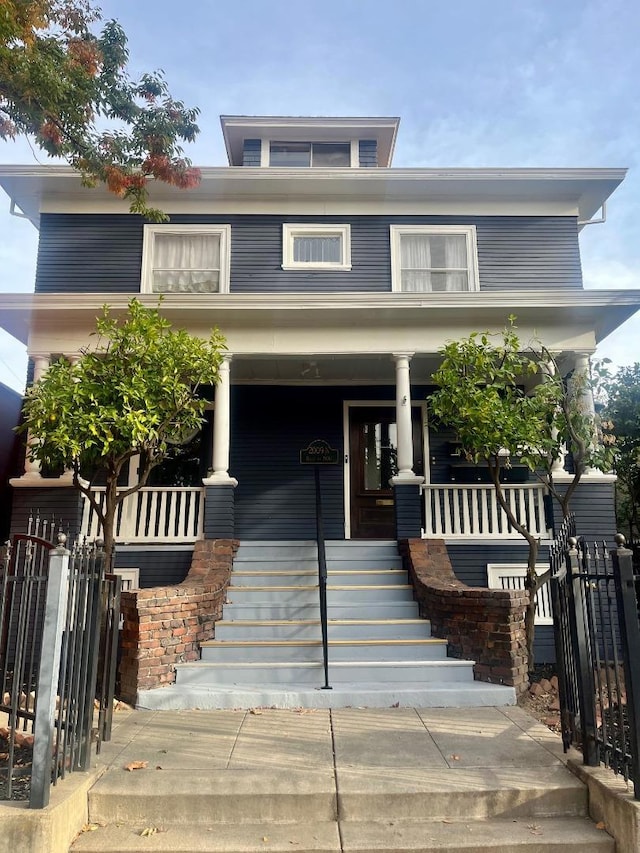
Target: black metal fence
(597,635)
(59,617)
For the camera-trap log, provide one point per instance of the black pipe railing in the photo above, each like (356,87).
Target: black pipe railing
(322,578)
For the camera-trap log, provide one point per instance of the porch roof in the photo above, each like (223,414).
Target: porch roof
(272,323)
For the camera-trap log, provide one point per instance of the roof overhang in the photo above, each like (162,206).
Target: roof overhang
(576,192)
(598,312)
(235,129)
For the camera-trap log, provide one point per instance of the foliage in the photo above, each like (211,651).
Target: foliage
(622,408)
(482,397)
(579,430)
(135,392)
(60,84)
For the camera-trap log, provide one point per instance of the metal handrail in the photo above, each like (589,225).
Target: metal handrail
(322,578)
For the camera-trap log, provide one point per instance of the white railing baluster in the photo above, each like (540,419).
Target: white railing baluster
(153,514)
(472,511)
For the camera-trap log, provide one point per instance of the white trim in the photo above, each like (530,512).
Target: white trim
(397,232)
(290,230)
(497,571)
(346,406)
(355,153)
(222,231)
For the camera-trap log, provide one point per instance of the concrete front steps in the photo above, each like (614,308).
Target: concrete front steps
(274,810)
(268,652)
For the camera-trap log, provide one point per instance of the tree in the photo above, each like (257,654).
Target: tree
(482,398)
(135,392)
(579,430)
(60,84)
(622,408)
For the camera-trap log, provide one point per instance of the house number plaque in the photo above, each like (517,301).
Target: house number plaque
(319,452)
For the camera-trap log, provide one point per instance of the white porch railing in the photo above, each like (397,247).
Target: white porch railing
(465,511)
(154,514)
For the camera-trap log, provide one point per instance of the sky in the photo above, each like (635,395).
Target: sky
(475,83)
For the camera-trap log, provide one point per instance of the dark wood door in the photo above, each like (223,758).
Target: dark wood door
(373,461)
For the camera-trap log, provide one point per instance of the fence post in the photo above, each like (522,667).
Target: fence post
(49,673)
(622,559)
(580,631)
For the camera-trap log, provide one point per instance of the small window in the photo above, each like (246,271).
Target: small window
(512,576)
(435,259)
(295,155)
(186,259)
(316,247)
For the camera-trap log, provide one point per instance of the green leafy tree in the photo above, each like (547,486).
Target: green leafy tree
(579,430)
(137,392)
(69,90)
(622,409)
(504,402)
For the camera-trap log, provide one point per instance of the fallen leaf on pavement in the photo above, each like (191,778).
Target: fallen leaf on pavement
(136,765)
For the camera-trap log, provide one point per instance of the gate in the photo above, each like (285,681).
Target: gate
(58,645)
(597,636)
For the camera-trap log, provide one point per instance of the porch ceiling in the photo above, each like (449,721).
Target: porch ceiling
(328,370)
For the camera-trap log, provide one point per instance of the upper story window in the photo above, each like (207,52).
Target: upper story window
(434,258)
(316,154)
(186,259)
(316,246)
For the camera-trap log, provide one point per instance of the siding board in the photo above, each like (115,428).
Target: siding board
(82,253)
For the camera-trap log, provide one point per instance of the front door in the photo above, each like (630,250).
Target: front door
(373,461)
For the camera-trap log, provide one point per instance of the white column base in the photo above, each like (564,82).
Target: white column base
(409,479)
(220,479)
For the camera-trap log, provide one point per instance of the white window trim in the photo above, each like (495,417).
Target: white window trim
(497,571)
(468,231)
(222,231)
(292,229)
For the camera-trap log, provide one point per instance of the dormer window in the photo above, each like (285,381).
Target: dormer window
(296,155)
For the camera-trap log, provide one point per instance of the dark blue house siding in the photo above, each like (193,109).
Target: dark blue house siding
(159,565)
(83,253)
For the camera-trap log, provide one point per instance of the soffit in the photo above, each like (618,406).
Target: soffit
(581,191)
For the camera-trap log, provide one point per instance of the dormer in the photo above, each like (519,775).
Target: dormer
(309,142)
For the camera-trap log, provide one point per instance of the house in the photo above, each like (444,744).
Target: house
(336,279)
(10,406)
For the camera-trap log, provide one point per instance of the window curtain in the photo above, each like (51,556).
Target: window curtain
(434,262)
(186,263)
(317,250)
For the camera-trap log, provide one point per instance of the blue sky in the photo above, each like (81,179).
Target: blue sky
(482,83)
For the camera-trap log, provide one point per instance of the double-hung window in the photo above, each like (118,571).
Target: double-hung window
(316,247)
(186,259)
(434,259)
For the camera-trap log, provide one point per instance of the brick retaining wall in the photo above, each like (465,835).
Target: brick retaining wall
(164,625)
(485,625)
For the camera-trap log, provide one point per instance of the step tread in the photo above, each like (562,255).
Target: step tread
(388,664)
(434,641)
(252,623)
(551,835)
(246,838)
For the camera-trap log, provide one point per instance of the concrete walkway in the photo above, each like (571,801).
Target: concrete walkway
(250,777)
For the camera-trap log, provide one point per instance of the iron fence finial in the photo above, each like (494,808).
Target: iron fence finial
(620,540)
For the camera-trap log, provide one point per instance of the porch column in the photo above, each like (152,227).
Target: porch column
(557,463)
(32,469)
(67,474)
(582,375)
(406,485)
(219,516)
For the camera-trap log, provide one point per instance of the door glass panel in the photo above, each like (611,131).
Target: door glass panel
(380,445)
